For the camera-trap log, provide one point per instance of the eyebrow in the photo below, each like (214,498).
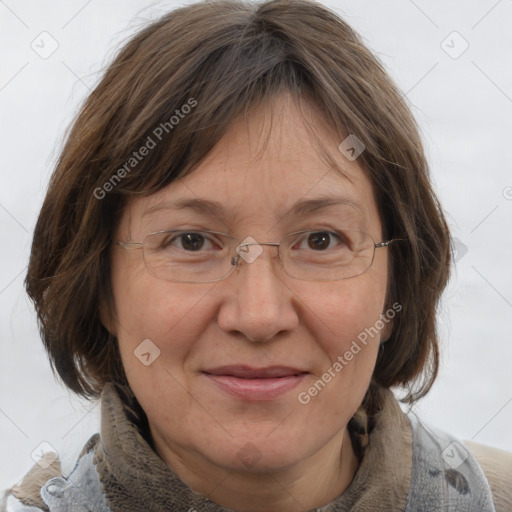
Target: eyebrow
(300,207)
(305,206)
(199,205)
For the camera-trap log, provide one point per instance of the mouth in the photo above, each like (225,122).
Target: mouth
(255,384)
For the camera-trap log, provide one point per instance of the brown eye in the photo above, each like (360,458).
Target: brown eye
(319,240)
(192,241)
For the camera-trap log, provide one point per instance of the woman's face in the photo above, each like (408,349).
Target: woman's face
(206,339)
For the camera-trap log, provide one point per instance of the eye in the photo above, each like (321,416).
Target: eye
(321,240)
(191,241)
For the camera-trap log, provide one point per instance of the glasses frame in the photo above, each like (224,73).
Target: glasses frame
(237,258)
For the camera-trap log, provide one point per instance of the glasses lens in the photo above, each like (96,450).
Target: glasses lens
(188,256)
(327,255)
(206,256)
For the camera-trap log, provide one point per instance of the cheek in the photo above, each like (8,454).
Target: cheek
(345,310)
(343,318)
(172,317)
(152,309)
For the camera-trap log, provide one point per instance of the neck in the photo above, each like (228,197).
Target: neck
(311,483)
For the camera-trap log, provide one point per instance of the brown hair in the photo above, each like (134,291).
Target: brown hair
(221,58)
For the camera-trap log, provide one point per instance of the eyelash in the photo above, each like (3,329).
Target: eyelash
(209,237)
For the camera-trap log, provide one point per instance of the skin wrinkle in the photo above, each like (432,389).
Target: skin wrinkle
(297,323)
(205,206)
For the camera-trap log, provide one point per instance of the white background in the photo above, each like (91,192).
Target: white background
(463,105)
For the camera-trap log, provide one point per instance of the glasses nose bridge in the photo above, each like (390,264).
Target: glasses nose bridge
(244,243)
(240,249)
(247,242)
(275,244)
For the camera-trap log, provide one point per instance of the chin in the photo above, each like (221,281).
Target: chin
(257,452)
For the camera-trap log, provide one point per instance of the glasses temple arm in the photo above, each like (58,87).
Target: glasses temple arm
(129,245)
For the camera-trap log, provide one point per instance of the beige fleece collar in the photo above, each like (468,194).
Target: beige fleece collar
(135,478)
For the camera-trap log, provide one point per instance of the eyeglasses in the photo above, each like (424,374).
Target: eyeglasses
(187,256)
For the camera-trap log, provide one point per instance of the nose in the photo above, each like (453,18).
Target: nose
(258,303)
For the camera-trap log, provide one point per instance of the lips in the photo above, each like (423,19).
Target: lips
(246,372)
(255,384)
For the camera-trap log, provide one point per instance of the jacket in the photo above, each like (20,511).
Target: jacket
(406,465)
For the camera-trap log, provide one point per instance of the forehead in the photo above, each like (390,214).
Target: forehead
(267,167)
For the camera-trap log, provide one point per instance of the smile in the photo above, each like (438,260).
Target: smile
(256,384)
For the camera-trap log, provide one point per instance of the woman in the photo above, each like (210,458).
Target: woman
(240,251)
